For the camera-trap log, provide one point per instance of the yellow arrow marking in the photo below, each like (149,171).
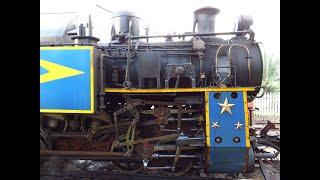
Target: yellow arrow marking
(56,71)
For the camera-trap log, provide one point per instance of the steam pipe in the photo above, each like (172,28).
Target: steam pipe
(126,83)
(262,94)
(195,34)
(90,25)
(202,73)
(248,56)
(70,44)
(101,92)
(201,65)
(194,25)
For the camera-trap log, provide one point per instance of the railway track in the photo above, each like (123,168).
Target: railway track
(48,174)
(260,125)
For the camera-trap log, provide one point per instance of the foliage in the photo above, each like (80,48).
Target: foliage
(271,72)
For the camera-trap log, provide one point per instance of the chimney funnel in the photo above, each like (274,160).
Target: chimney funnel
(205,19)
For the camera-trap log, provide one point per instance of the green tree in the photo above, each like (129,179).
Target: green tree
(271,78)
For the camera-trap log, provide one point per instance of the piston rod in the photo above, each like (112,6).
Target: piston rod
(265,155)
(157,156)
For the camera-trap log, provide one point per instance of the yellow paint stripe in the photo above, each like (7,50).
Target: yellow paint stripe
(176,90)
(92,78)
(245,105)
(207,119)
(207,124)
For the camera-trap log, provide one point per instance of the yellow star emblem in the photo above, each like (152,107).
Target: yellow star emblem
(226,107)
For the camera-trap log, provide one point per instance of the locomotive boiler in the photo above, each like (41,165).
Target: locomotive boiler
(204,61)
(170,108)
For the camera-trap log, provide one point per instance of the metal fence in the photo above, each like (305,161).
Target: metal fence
(269,107)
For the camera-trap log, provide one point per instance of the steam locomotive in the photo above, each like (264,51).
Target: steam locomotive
(170,108)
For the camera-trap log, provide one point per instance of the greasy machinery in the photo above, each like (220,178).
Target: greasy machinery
(169,108)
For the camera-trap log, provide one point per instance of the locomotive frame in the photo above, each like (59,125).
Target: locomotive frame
(133,125)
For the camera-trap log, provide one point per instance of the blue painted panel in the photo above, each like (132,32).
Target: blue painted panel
(43,71)
(227,130)
(227,160)
(69,93)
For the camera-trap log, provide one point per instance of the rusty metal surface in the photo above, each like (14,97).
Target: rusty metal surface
(141,147)
(79,153)
(162,113)
(159,138)
(266,128)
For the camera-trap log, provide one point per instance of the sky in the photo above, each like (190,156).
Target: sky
(169,16)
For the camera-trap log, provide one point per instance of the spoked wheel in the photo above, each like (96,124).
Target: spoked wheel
(52,124)
(127,166)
